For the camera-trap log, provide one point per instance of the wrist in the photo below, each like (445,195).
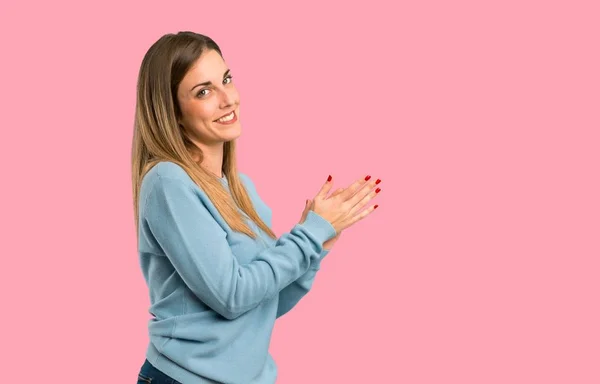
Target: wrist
(319,227)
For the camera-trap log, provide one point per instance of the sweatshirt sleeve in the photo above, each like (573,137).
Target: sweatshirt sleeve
(293,293)
(197,247)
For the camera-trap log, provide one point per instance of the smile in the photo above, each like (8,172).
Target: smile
(227,119)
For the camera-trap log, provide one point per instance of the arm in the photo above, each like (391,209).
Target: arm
(291,295)
(197,247)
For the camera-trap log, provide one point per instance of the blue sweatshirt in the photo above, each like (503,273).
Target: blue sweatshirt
(215,293)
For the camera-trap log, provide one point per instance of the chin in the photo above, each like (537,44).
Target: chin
(233,134)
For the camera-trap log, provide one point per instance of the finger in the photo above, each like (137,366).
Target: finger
(305,212)
(354,187)
(337,192)
(360,216)
(366,197)
(325,188)
(357,199)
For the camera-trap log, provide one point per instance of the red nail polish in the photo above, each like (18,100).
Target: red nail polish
(329,178)
(377,190)
(375,207)
(378,181)
(367,178)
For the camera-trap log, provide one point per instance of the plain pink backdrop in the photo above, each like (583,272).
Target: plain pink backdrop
(481,118)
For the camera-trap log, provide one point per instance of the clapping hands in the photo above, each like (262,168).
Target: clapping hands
(343,207)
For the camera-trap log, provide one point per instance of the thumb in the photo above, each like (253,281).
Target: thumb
(305,212)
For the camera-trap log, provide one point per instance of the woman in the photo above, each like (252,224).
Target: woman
(218,276)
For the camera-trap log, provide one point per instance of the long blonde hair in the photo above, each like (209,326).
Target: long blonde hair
(157,136)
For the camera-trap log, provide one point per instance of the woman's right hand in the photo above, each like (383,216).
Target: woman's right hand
(341,210)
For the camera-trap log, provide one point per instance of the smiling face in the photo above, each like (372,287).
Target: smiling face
(205,95)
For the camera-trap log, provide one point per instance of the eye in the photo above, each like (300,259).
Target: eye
(201,94)
(228,77)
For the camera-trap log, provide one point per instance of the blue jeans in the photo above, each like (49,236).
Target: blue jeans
(150,375)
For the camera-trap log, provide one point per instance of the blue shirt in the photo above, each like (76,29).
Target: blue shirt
(215,293)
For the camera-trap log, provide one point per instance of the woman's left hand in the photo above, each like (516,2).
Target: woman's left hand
(327,245)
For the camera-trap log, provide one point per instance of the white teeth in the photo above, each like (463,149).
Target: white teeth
(226,118)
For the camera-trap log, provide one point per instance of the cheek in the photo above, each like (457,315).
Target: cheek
(236,95)
(196,111)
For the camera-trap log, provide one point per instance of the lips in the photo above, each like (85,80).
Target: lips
(227,114)
(231,119)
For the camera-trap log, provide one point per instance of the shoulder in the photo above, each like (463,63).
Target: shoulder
(249,184)
(165,175)
(252,190)
(168,169)
(246,180)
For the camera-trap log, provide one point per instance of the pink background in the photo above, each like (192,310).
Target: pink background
(481,118)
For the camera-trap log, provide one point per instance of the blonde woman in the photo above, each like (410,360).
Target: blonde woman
(218,277)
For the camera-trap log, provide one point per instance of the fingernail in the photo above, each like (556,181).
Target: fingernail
(375,207)
(377,181)
(367,178)
(377,190)
(329,178)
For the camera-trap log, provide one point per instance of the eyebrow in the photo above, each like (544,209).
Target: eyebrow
(208,82)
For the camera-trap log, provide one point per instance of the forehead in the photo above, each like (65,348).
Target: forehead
(209,66)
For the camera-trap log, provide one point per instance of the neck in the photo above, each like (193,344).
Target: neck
(213,158)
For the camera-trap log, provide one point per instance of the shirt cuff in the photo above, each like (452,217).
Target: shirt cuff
(319,227)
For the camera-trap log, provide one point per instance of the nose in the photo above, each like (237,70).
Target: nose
(227,98)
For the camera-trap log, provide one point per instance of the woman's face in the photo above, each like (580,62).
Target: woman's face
(206,94)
